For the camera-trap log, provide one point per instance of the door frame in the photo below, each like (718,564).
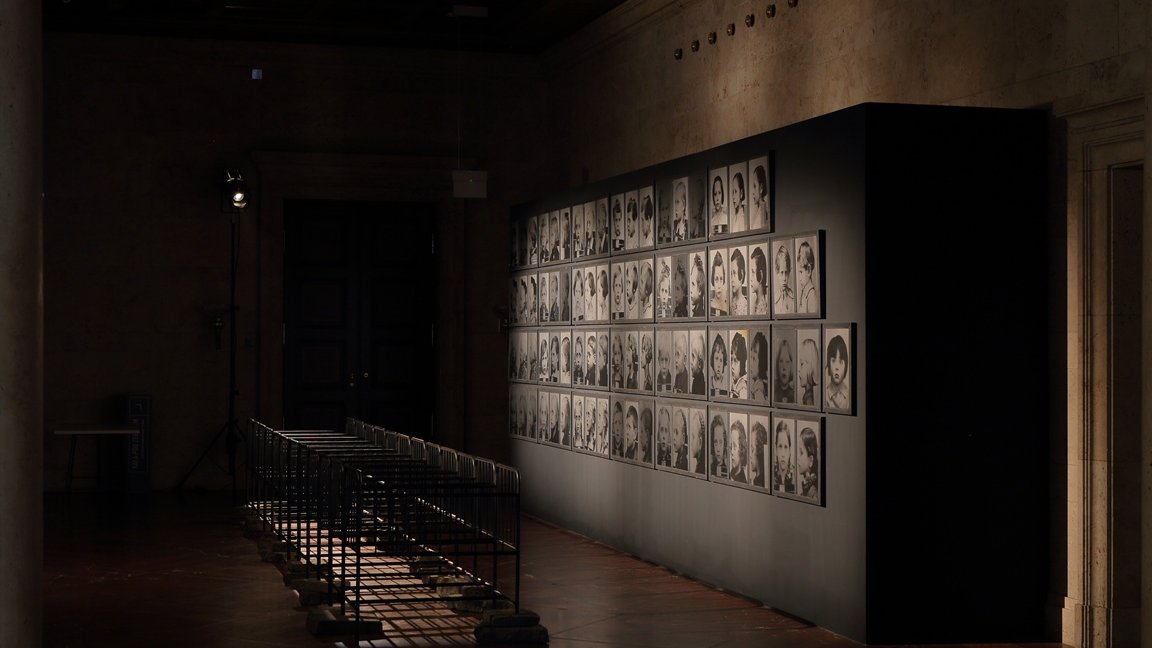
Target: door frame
(1096,610)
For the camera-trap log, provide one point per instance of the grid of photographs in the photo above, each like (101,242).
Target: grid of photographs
(670,326)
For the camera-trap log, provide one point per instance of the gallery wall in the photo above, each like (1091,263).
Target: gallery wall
(899,506)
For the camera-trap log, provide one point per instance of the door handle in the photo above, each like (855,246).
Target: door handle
(365,375)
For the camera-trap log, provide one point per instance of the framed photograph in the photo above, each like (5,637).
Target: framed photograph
(839,368)
(633,444)
(738,364)
(717,443)
(697,303)
(631,290)
(565,299)
(617,309)
(718,278)
(533,241)
(578,357)
(810,459)
(603,288)
(759,452)
(620,364)
(578,292)
(718,370)
(522,421)
(598,407)
(543,370)
(664,366)
(664,449)
(663,305)
(673,305)
(545,301)
(759,351)
(760,198)
(738,198)
(783,277)
(521,355)
(616,213)
(783,442)
(551,244)
(565,234)
(698,350)
(661,193)
(738,464)
(578,240)
(565,373)
(783,365)
(543,416)
(759,297)
(645,289)
(596,360)
(718,205)
(696,419)
(578,431)
(646,206)
(808,255)
(738,281)
(809,369)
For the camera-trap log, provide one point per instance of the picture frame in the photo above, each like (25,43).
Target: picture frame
(718,201)
(759,372)
(759,280)
(717,443)
(631,221)
(782,266)
(578,239)
(592,437)
(664,367)
(810,454)
(565,234)
(783,372)
(717,282)
(761,194)
(782,442)
(646,212)
(596,359)
(759,450)
(532,241)
(738,198)
(634,418)
(719,373)
(839,358)
(809,368)
(738,364)
(808,257)
(696,303)
(616,217)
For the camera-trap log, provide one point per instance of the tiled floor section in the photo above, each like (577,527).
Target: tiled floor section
(176,571)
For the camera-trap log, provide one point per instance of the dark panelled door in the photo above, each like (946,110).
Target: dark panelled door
(359,287)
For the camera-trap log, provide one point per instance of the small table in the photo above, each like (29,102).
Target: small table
(97,433)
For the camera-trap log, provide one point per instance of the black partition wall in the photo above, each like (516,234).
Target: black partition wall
(809,367)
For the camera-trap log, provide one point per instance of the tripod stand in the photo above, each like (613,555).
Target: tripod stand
(230,428)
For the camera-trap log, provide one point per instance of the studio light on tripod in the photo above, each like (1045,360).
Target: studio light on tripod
(236,189)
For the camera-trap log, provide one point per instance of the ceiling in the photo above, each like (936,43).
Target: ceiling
(509,26)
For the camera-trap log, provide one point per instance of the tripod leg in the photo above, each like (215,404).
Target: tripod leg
(207,449)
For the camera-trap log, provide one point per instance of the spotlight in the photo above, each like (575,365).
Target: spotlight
(235,189)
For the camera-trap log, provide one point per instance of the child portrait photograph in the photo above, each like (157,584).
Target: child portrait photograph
(839,368)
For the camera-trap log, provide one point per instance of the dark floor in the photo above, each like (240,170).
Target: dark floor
(175,570)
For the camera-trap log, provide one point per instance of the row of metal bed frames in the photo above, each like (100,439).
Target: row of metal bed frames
(387,519)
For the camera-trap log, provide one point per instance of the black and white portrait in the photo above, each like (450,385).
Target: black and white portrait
(646,206)
(533,241)
(664,435)
(738,197)
(619,308)
(679,282)
(698,287)
(681,377)
(697,339)
(758,451)
(718,438)
(718,364)
(809,459)
(738,281)
(759,195)
(759,352)
(809,369)
(664,365)
(783,278)
(783,366)
(838,369)
(697,418)
(738,363)
(647,360)
(603,236)
(807,258)
(738,447)
(718,274)
(565,234)
(759,300)
(645,289)
(631,221)
(680,224)
(578,249)
(718,204)
(578,302)
(663,287)
(783,445)
(619,239)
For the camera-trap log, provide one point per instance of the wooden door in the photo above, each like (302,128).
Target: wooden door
(359,286)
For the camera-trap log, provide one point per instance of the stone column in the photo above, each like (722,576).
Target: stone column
(21,323)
